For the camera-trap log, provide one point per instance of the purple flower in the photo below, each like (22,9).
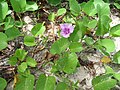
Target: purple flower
(66,29)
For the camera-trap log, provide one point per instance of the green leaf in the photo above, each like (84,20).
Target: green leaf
(29,41)
(92,24)
(99,79)
(51,17)
(25,83)
(103,25)
(79,31)
(3,41)
(89,8)
(38,29)
(61,11)
(3,10)
(62,86)
(13,60)
(74,7)
(115,31)
(54,2)
(18,23)
(102,8)
(22,67)
(89,41)
(20,54)
(31,62)
(31,6)
(9,22)
(116,57)
(75,47)
(59,46)
(45,83)
(3,84)
(109,69)
(70,63)
(108,44)
(105,85)
(117,76)
(12,33)
(117,5)
(18,5)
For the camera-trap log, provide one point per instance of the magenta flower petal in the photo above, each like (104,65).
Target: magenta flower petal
(66,29)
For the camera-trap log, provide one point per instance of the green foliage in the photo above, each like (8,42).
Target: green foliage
(75,47)
(38,29)
(18,5)
(59,46)
(20,54)
(3,83)
(3,41)
(22,67)
(25,83)
(117,5)
(116,57)
(67,63)
(45,83)
(31,62)
(74,7)
(89,8)
(54,2)
(115,31)
(31,6)
(3,10)
(29,41)
(61,11)
(61,86)
(100,82)
(12,33)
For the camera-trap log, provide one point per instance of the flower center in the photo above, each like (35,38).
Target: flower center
(66,30)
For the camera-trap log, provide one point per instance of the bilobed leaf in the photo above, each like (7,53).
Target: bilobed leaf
(29,41)
(116,57)
(45,82)
(61,86)
(115,31)
(12,33)
(61,11)
(75,47)
(70,63)
(20,54)
(25,83)
(3,41)
(38,29)
(3,84)
(31,6)
(59,46)
(31,62)
(54,2)
(102,8)
(74,7)
(3,10)
(18,5)
(89,8)
(22,67)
